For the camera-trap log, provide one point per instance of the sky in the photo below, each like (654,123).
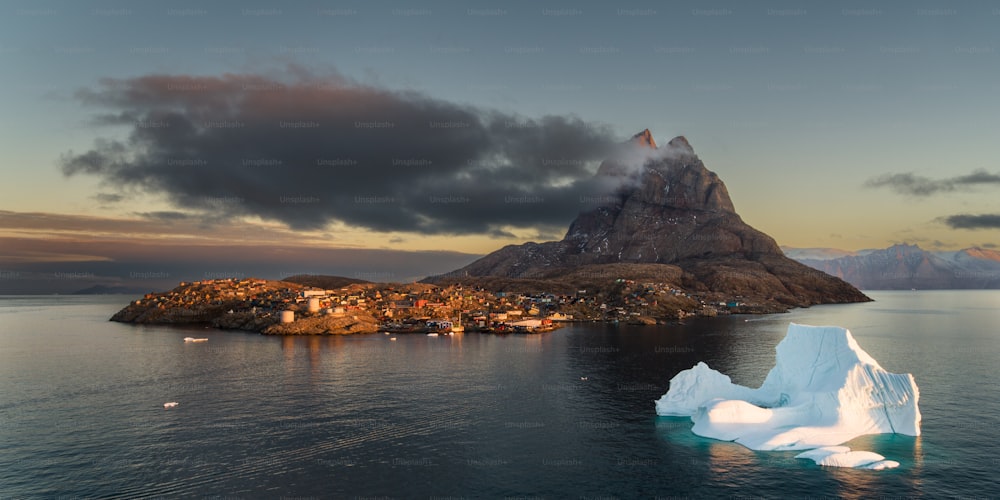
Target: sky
(143,143)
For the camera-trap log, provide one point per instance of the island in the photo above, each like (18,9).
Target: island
(663,243)
(298,306)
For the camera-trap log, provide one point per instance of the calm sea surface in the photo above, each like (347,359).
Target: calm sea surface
(567,414)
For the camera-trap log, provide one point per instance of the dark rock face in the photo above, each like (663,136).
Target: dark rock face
(667,208)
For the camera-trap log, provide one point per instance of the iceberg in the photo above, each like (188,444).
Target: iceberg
(824,390)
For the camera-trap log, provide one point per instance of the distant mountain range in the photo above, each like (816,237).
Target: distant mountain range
(111,290)
(664,215)
(904,267)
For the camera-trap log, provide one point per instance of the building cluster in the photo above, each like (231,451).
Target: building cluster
(262,297)
(403,305)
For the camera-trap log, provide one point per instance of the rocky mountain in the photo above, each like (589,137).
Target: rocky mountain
(665,207)
(904,267)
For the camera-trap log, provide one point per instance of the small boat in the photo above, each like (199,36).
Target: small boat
(439,326)
(172,404)
(432,334)
(392,339)
(192,339)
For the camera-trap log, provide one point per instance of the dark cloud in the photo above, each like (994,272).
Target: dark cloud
(164,215)
(308,151)
(108,198)
(47,265)
(918,185)
(969,221)
(150,225)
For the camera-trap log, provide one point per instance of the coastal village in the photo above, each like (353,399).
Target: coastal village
(287,307)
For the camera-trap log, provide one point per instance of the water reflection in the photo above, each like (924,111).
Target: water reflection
(917,472)
(312,354)
(725,457)
(855,484)
(360,416)
(594,383)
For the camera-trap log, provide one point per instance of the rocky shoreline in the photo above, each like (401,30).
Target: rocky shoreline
(223,320)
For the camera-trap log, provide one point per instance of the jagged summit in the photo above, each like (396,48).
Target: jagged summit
(671,177)
(667,208)
(678,144)
(644,138)
(671,207)
(681,143)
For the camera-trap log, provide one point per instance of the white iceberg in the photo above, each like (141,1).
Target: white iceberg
(824,390)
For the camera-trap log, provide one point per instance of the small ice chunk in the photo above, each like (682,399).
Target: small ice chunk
(881,464)
(842,456)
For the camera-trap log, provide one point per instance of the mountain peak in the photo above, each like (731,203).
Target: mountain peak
(644,138)
(681,143)
(905,247)
(982,253)
(667,209)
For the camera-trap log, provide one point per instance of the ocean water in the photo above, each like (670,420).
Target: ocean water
(568,414)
